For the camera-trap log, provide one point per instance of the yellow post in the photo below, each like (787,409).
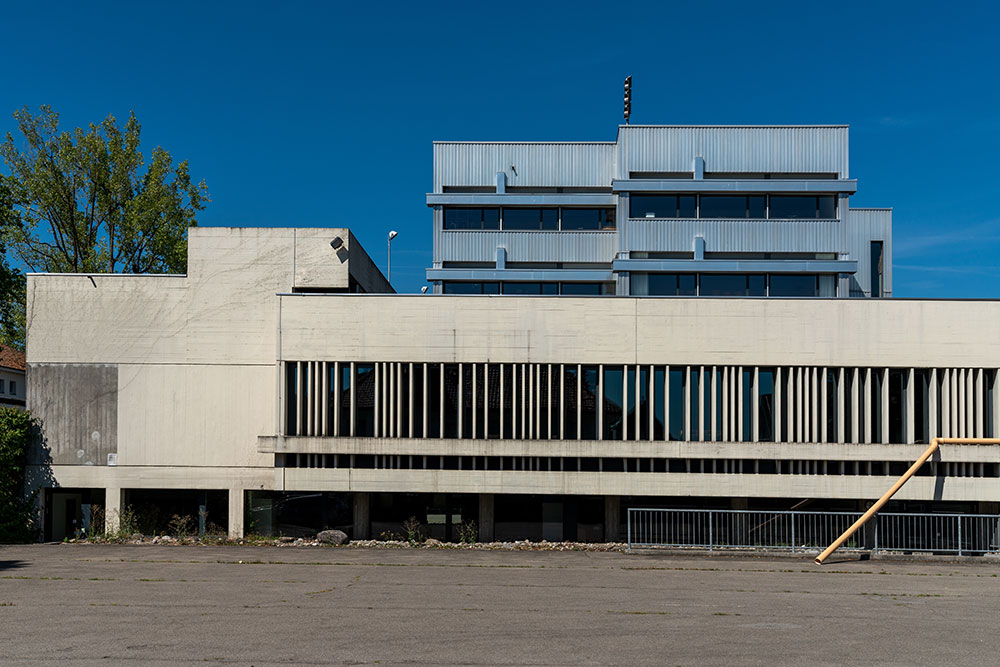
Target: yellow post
(899,483)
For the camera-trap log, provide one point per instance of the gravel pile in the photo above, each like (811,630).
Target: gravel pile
(519,545)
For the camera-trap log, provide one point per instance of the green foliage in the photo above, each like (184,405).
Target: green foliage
(180,526)
(87,201)
(18,522)
(413,530)
(468,532)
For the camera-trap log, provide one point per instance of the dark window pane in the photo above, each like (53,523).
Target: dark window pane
(694,379)
(472,218)
(723,284)
(582,289)
(550,288)
(658,416)
(652,206)
(827,206)
(589,401)
(793,206)
(364,400)
(757,285)
(687,284)
(530,218)
(522,288)
(758,206)
(662,284)
(451,401)
(875,269)
(607,218)
(291,398)
(723,206)
(612,402)
(686,206)
(550,219)
(765,405)
(782,285)
(471,288)
(491,218)
(588,218)
(678,382)
(345,399)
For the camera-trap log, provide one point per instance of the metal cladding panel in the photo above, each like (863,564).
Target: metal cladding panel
(528,246)
(526,164)
(864,226)
(733,149)
(734,235)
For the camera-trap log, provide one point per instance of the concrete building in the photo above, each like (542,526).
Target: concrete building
(257,387)
(12,389)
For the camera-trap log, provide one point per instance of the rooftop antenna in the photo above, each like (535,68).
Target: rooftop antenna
(628,97)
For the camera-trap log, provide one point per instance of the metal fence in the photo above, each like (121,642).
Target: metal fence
(961,534)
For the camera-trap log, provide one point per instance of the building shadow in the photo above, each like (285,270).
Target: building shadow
(38,479)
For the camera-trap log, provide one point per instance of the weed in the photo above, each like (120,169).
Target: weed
(468,532)
(180,526)
(414,530)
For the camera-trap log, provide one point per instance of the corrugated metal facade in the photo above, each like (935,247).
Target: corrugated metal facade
(733,235)
(865,225)
(819,149)
(526,164)
(528,246)
(733,149)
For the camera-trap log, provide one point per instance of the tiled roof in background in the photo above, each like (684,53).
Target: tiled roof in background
(11,358)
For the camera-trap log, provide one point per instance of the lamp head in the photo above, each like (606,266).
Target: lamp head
(393,234)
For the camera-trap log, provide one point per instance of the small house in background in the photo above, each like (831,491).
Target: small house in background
(11,377)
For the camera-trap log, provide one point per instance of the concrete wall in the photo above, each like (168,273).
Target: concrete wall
(78,407)
(808,332)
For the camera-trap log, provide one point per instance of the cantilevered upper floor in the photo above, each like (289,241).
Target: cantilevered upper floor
(663,210)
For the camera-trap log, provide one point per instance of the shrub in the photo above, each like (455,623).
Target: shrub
(18,518)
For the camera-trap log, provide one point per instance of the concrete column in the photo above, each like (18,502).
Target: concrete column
(362,518)
(236,511)
(112,509)
(612,523)
(486,520)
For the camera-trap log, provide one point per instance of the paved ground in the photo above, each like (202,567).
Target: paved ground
(86,604)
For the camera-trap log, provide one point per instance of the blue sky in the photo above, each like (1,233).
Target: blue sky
(324,113)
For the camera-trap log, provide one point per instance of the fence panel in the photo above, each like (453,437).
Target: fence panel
(962,534)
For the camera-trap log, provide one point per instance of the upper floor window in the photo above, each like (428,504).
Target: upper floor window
(662,206)
(775,207)
(529,219)
(472,218)
(13,387)
(588,218)
(803,206)
(733,206)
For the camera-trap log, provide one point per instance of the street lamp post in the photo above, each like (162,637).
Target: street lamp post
(388,270)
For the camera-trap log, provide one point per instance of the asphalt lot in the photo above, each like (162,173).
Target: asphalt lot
(89,604)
